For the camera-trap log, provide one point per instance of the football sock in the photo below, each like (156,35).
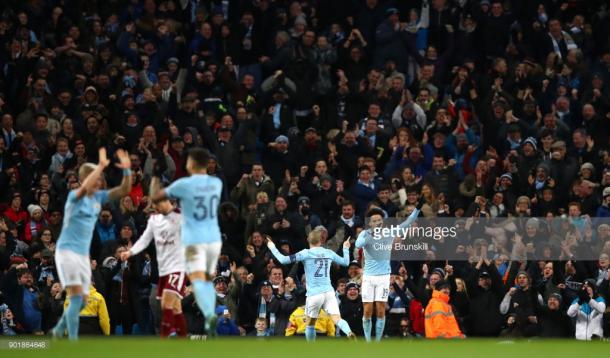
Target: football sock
(379,326)
(344,327)
(72,316)
(310,333)
(167,322)
(366,326)
(180,325)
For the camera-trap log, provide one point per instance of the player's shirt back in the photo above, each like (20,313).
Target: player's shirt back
(80,216)
(317,262)
(165,229)
(199,197)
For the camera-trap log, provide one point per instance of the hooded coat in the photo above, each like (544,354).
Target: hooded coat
(439,319)
(589,317)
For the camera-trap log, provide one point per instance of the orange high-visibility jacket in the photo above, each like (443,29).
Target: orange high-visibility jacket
(439,319)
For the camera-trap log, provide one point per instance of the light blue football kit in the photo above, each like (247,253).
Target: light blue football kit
(199,197)
(320,292)
(72,254)
(80,216)
(377,269)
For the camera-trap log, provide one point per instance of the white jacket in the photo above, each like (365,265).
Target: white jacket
(588,324)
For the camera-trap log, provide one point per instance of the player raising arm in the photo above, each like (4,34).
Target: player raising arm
(320,292)
(376,277)
(82,208)
(199,197)
(164,228)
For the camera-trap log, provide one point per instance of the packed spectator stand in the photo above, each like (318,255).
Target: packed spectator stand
(314,112)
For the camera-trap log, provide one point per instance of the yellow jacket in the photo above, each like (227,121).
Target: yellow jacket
(296,323)
(96,307)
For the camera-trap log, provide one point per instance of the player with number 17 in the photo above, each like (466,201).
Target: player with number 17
(199,196)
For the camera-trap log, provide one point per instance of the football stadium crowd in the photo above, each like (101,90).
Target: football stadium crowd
(315,111)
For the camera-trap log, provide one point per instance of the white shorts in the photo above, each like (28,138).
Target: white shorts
(375,288)
(202,257)
(326,300)
(73,269)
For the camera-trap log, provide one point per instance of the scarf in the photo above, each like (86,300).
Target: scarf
(348,222)
(585,308)
(514,144)
(262,309)
(119,275)
(370,185)
(276,115)
(567,39)
(7,326)
(34,228)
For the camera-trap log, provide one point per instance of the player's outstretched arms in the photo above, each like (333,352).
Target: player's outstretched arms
(153,188)
(141,244)
(414,214)
(343,260)
(283,259)
(92,178)
(361,240)
(157,193)
(158,196)
(125,187)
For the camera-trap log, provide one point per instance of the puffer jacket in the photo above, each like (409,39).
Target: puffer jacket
(588,318)
(439,319)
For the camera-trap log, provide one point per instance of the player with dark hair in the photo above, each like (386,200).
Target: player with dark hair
(199,196)
(376,277)
(164,228)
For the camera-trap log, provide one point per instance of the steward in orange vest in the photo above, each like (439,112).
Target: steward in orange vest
(439,319)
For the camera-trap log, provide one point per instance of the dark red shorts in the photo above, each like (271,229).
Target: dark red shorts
(174,282)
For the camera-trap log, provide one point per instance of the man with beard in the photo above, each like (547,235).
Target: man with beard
(554,321)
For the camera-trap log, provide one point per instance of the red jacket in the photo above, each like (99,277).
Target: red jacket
(20,218)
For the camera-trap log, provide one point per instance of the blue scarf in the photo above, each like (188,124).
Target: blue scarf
(276,115)
(585,308)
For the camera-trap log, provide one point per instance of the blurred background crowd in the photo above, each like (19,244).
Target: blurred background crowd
(315,111)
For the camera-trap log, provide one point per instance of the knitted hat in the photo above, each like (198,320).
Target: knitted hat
(439,271)
(32,208)
(531,141)
(508,176)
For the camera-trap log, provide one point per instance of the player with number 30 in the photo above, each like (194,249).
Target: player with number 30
(199,197)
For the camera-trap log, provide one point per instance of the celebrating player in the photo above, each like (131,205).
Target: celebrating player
(164,227)
(320,292)
(81,211)
(199,197)
(376,277)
